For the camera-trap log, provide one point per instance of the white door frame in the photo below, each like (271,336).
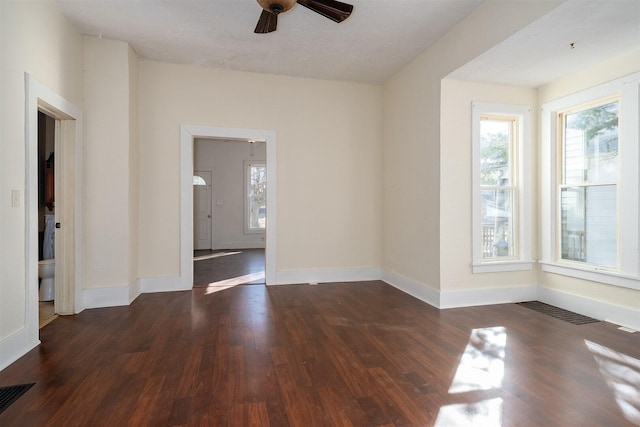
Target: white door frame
(68,293)
(187,135)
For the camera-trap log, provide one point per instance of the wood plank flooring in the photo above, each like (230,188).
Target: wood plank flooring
(241,266)
(357,354)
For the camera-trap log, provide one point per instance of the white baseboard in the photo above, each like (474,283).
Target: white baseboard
(108,297)
(162,284)
(15,346)
(622,316)
(125,295)
(487,296)
(412,287)
(290,277)
(463,298)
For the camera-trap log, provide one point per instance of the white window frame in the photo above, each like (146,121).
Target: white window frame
(521,259)
(247,180)
(627,89)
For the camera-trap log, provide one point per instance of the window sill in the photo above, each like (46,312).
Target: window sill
(593,274)
(501,266)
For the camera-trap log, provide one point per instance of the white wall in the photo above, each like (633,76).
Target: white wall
(328,169)
(456,180)
(110,158)
(36,39)
(412,208)
(226,161)
(134,162)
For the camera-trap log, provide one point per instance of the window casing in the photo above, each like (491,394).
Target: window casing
(590,162)
(255,197)
(501,195)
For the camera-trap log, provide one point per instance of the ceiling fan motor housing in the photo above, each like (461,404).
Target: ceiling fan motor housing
(276,6)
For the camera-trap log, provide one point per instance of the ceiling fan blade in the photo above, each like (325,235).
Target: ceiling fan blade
(267,23)
(332,9)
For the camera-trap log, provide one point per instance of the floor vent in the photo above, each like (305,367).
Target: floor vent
(558,313)
(10,394)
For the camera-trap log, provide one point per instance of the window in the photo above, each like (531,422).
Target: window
(590,184)
(501,203)
(256,197)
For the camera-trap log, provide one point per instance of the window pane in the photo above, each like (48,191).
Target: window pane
(258,181)
(257,193)
(494,152)
(590,224)
(257,213)
(591,145)
(498,223)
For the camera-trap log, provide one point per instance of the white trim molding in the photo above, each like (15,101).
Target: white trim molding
(290,277)
(412,287)
(15,346)
(616,314)
(492,267)
(487,296)
(125,295)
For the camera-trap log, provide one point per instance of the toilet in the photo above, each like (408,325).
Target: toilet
(46,272)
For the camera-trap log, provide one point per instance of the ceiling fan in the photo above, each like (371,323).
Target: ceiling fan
(332,9)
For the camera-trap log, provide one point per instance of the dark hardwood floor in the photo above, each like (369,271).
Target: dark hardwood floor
(222,267)
(357,354)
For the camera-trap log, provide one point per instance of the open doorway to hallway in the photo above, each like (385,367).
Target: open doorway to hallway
(229,212)
(67,188)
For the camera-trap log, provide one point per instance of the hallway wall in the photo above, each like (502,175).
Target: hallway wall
(328,167)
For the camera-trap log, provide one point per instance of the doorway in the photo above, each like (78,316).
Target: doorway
(46,219)
(229,212)
(188,134)
(68,197)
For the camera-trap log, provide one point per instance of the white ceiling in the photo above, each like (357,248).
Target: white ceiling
(379,38)
(541,52)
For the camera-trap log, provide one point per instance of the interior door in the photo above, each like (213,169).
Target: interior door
(202,210)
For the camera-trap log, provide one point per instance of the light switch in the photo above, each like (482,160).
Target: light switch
(15,198)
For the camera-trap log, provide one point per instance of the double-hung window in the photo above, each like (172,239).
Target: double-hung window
(501,195)
(590,183)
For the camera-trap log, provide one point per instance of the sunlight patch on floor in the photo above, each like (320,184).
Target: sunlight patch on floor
(481,367)
(486,413)
(622,374)
(235,281)
(482,364)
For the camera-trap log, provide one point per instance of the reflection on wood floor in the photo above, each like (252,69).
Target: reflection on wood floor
(225,268)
